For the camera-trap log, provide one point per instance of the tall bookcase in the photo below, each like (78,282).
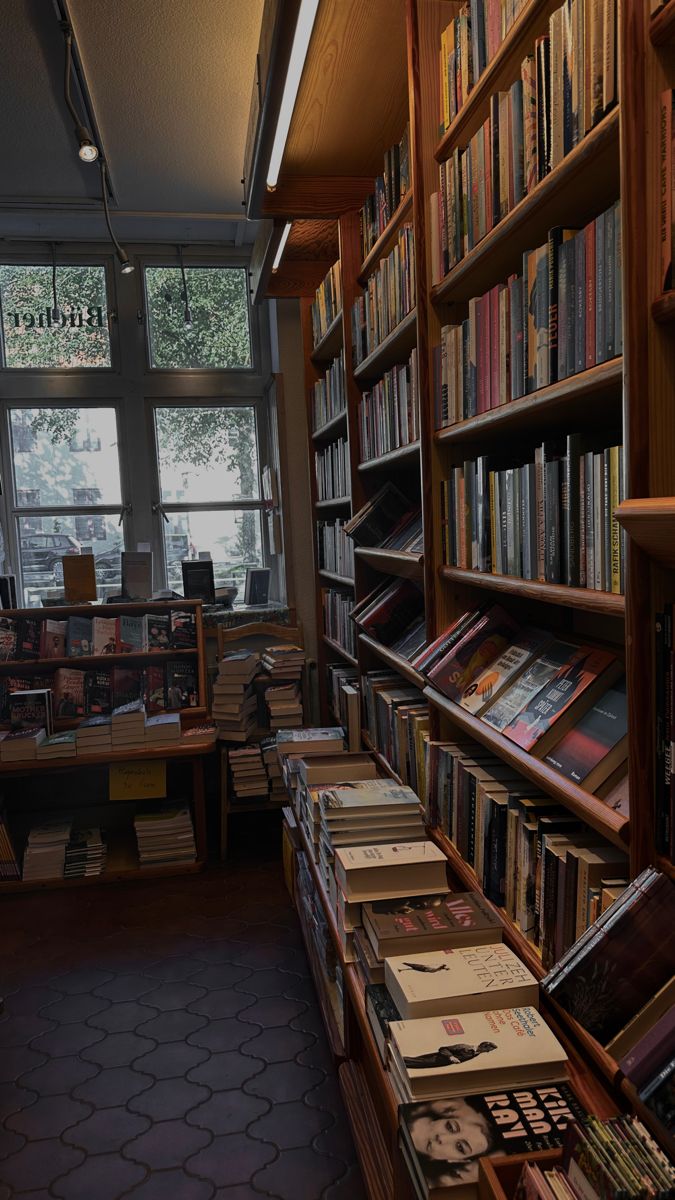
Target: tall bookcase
(629,396)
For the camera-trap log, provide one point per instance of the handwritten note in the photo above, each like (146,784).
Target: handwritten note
(138,780)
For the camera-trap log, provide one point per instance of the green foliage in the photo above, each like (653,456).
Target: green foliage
(217,300)
(27,292)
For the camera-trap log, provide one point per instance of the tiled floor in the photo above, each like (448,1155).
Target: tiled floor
(163,1042)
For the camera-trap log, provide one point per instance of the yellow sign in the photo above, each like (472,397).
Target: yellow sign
(138,780)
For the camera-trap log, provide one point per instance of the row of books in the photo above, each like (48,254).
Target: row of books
(344,699)
(388,296)
(390,188)
(563,90)
(94,735)
(562,315)
(664,712)
(397,720)
(337,624)
(329,397)
(335,548)
(327,303)
(237,708)
(42,638)
(331,464)
(550,519)
(73,693)
(389,414)
(516,839)
(468,44)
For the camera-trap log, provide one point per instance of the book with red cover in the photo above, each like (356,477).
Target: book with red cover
(68,692)
(430,655)
(586,668)
(593,748)
(391,614)
(483,642)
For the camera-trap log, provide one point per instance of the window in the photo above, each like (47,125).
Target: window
(210,488)
(75,487)
(34,335)
(219,335)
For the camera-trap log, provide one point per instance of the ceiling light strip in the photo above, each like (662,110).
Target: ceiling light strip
(296,63)
(282,245)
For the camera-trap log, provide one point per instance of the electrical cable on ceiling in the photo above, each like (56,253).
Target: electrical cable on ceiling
(123,257)
(187,315)
(88,150)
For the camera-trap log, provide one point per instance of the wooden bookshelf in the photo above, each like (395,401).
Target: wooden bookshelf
(330,344)
(334,502)
(651,525)
(663,308)
(585,599)
(391,562)
(331,428)
(393,457)
(394,348)
(387,238)
(336,648)
(662,25)
(332,577)
(381,761)
(392,659)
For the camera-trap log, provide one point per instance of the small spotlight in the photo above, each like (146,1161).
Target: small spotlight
(188,319)
(88,150)
(125,266)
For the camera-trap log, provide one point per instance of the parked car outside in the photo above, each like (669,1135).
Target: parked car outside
(41,554)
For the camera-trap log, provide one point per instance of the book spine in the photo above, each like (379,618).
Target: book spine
(665,187)
(590,336)
(580,302)
(600,305)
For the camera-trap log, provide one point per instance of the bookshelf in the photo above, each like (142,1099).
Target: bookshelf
(629,394)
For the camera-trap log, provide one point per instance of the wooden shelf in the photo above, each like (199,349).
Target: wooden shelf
(334,578)
(334,503)
(392,562)
(327,432)
(393,660)
(663,308)
(100,661)
(186,748)
(558,199)
(338,649)
(505,64)
(130,608)
(379,758)
(588,808)
(401,454)
(391,350)
(565,400)
(651,525)
(662,25)
(584,599)
(374,1158)
(386,239)
(331,343)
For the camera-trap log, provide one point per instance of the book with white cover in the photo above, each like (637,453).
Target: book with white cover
(305,742)
(513,659)
(343,803)
(337,768)
(500,1048)
(469,978)
(397,869)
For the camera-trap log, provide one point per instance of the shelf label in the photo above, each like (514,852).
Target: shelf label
(138,780)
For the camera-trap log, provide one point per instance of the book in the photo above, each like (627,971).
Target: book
(181,684)
(20,744)
(643,1062)
(593,748)
(438,921)
(382,871)
(336,768)
(58,745)
(183,629)
(130,635)
(104,635)
(470,978)
(511,662)
(643,1021)
(28,708)
(437,1057)
(586,674)
(522,691)
(381,1011)
(29,631)
(137,574)
(97,692)
(154,687)
(79,637)
(371,524)
(79,578)
(198,580)
(68,692)
(9,633)
(481,645)
(303,742)
(52,639)
(157,631)
(446,1138)
(127,686)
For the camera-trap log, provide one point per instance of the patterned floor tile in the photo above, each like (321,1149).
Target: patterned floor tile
(172,1185)
(105,1176)
(167,1144)
(169,1099)
(232,1159)
(228,1112)
(300,1172)
(106,1130)
(289,1126)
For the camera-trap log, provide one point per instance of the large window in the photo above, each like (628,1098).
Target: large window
(37,333)
(210,488)
(217,335)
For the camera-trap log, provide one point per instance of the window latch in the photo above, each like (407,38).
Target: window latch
(140,317)
(158,507)
(125,511)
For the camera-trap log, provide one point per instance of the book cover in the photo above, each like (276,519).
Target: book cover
(29,631)
(53,639)
(68,692)
(181,684)
(521,692)
(104,635)
(130,635)
(183,629)
(198,580)
(127,685)
(483,643)
(447,1137)
(594,747)
(472,978)
(31,707)
(137,574)
(9,638)
(157,631)
(440,920)
(497,1048)
(155,688)
(79,578)
(79,642)
(513,659)
(585,668)
(98,692)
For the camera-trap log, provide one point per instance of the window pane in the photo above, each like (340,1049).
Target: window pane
(41,553)
(232,538)
(65,457)
(207,455)
(219,336)
(76,337)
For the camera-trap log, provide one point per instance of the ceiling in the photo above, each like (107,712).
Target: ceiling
(170,85)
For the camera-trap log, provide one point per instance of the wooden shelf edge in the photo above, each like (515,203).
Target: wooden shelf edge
(80,662)
(334,502)
(586,599)
(323,433)
(376,1165)
(650,523)
(597,140)
(340,650)
(392,562)
(391,228)
(335,578)
(587,807)
(330,344)
(585,383)
(379,758)
(195,749)
(399,454)
(663,308)
(371,365)
(394,660)
(662,25)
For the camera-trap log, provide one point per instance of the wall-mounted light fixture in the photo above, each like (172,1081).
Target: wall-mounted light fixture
(123,258)
(88,150)
(296,63)
(282,245)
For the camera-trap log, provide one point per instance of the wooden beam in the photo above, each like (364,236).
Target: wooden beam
(320,196)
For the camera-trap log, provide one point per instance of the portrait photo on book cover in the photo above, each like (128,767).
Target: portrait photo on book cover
(448,1056)
(449,1137)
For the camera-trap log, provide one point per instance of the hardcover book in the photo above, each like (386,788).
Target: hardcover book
(381,1011)
(198,580)
(381,871)
(29,631)
(155,688)
(468,979)
(511,662)
(79,642)
(53,639)
(127,686)
(483,643)
(98,692)
(437,1057)
(130,635)
(539,723)
(68,692)
(79,578)
(412,924)
(32,707)
(446,1138)
(183,630)
(594,747)
(522,691)
(157,631)
(104,635)
(137,574)
(9,638)
(181,684)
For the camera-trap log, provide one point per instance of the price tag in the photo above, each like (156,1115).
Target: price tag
(138,780)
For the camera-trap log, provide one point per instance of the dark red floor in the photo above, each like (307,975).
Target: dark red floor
(162,1041)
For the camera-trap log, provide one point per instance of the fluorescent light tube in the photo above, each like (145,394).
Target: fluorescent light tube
(303,32)
(282,245)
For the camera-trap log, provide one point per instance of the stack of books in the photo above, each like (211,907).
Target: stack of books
(85,854)
(328,397)
(234,702)
(128,726)
(317,772)
(59,745)
(328,303)
(21,744)
(270,758)
(45,853)
(283,661)
(389,414)
(284,705)
(9,862)
(94,735)
(248,773)
(162,730)
(165,835)
(333,479)
(389,296)
(390,188)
